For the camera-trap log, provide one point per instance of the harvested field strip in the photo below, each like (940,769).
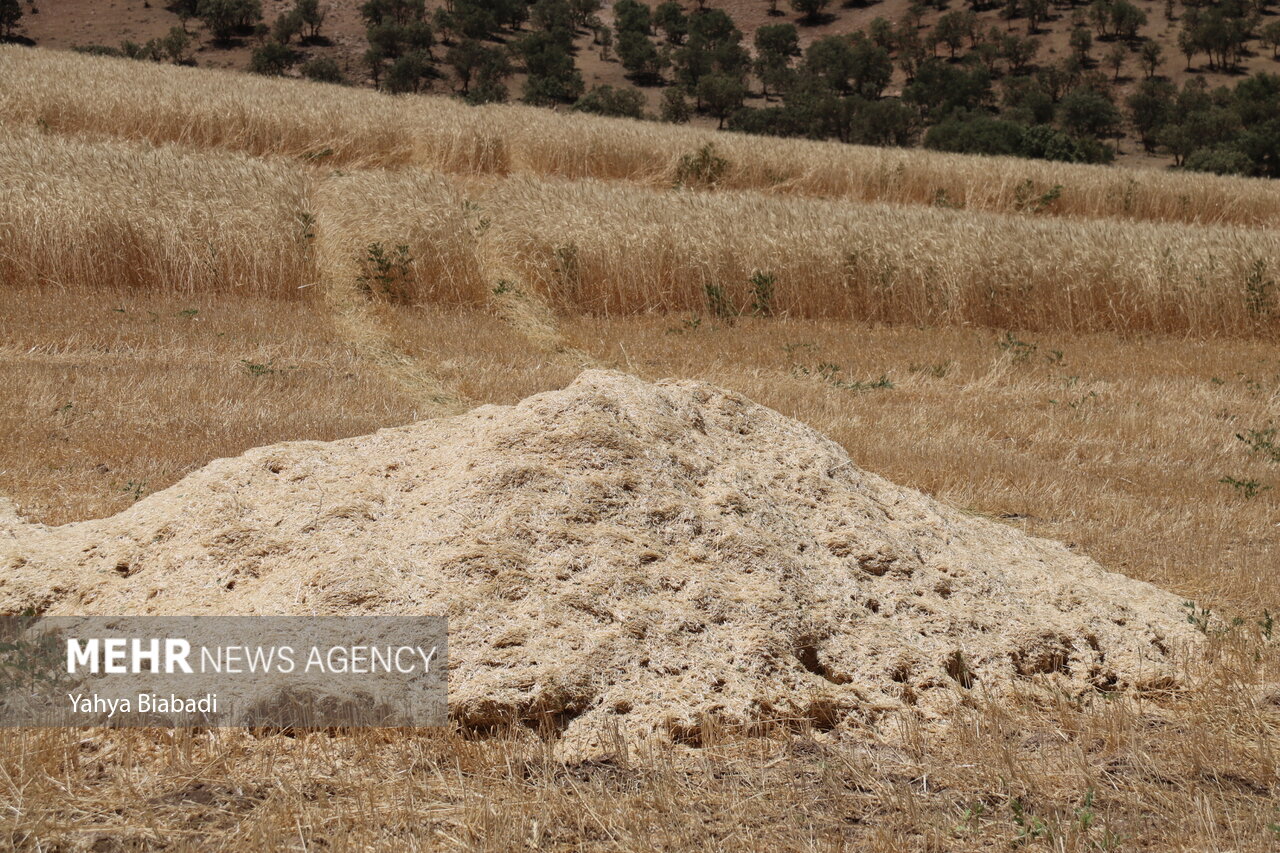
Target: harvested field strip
(110,395)
(607,249)
(93,214)
(333,126)
(1118,445)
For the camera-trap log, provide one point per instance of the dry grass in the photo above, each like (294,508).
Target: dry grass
(71,93)
(75,214)
(1144,427)
(1107,776)
(609,249)
(143,336)
(578,146)
(334,126)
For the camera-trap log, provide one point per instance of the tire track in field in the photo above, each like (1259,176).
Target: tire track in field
(521,307)
(355,318)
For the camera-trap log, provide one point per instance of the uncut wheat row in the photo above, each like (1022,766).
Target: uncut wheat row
(103,214)
(335,126)
(78,214)
(611,249)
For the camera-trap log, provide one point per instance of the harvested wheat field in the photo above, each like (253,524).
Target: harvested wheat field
(780,495)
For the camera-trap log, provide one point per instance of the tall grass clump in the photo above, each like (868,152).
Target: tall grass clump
(80,214)
(638,250)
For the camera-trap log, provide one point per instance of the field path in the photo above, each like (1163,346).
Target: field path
(356,320)
(519,305)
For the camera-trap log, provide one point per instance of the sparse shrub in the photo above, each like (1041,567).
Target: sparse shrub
(762,286)
(1028,200)
(273,59)
(134,488)
(257,368)
(386,273)
(720,304)
(97,50)
(830,374)
(610,101)
(675,106)
(323,69)
(937,371)
(1248,489)
(703,168)
(1261,442)
(1259,290)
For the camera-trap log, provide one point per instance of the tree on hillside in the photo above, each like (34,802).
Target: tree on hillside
(1037,11)
(1081,41)
(1116,58)
(465,58)
(1127,19)
(639,56)
(1151,107)
(479,19)
(952,29)
(940,89)
(482,70)
(830,59)
(273,58)
(176,45)
(1270,35)
(671,19)
(10,14)
(849,65)
(397,12)
(1085,112)
(312,14)
(225,17)
(552,74)
(882,33)
(1150,55)
(714,45)
(608,101)
(810,9)
(553,16)
(776,46)
(411,72)
(722,94)
(287,26)
(582,11)
(675,107)
(323,69)
(630,16)
(1018,52)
